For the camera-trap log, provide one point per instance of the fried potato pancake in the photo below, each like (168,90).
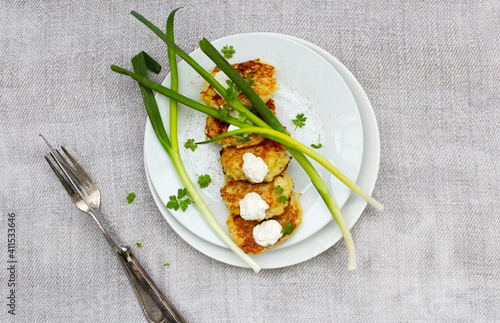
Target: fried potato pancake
(264,83)
(242,230)
(216,127)
(234,191)
(273,154)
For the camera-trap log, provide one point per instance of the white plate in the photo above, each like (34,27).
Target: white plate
(330,233)
(308,84)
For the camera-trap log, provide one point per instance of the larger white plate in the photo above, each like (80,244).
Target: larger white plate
(330,233)
(308,84)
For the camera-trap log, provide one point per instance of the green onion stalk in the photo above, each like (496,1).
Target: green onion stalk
(272,129)
(141,63)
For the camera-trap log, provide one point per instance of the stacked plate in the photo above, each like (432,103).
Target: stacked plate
(339,116)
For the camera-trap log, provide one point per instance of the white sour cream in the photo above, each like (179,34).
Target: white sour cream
(232,127)
(222,78)
(255,168)
(267,233)
(233,113)
(253,207)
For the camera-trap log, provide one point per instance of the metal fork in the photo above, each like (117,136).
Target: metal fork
(87,197)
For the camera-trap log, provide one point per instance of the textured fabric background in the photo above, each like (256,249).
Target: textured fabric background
(432,72)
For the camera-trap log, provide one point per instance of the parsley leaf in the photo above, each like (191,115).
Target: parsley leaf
(223,111)
(190,145)
(181,201)
(318,146)
(184,204)
(139,244)
(288,228)
(278,189)
(204,180)
(283,199)
(241,137)
(299,121)
(249,79)
(242,117)
(130,197)
(181,193)
(228,51)
(232,89)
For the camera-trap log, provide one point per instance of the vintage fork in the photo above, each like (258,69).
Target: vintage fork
(86,195)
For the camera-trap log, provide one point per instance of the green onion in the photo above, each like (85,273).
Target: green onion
(265,112)
(139,63)
(289,142)
(201,71)
(265,129)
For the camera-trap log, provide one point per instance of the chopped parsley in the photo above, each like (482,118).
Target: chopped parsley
(299,121)
(139,244)
(249,79)
(242,138)
(318,146)
(130,197)
(242,117)
(190,145)
(232,89)
(204,180)
(278,189)
(223,111)
(166,264)
(228,51)
(181,201)
(288,228)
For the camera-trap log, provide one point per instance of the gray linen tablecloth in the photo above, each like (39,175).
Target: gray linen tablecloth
(432,72)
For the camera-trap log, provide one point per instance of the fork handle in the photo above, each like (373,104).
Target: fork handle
(154,304)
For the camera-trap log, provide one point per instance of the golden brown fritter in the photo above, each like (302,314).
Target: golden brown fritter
(234,191)
(242,230)
(216,127)
(273,154)
(262,75)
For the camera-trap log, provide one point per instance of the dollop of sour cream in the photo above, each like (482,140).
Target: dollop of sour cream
(254,168)
(253,207)
(267,233)
(222,78)
(234,113)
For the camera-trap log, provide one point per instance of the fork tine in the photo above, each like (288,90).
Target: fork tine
(88,191)
(80,169)
(84,189)
(61,178)
(74,175)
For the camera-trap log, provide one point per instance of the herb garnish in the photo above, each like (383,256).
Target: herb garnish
(249,79)
(181,201)
(278,189)
(242,138)
(242,117)
(288,228)
(223,111)
(228,51)
(130,197)
(299,121)
(283,199)
(232,90)
(139,244)
(166,264)
(204,180)
(190,145)
(318,146)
